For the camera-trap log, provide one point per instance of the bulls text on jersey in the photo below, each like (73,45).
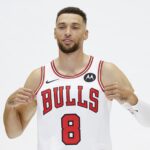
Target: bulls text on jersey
(64,91)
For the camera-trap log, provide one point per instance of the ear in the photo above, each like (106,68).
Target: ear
(86,35)
(55,33)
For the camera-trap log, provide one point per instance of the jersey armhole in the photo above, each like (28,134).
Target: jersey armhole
(100,66)
(41,80)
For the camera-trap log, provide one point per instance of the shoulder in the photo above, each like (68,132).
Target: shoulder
(36,73)
(108,65)
(112,73)
(34,79)
(109,68)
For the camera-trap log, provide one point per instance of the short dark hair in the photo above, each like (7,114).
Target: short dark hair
(72,10)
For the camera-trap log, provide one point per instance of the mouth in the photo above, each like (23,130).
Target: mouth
(67,41)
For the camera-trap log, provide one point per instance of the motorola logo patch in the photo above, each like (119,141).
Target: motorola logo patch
(89,77)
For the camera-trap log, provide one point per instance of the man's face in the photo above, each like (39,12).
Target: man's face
(70,32)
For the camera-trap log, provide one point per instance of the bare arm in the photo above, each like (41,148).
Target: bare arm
(117,86)
(21,106)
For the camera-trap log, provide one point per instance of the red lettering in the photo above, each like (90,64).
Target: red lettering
(80,102)
(94,106)
(59,94)
(47,101)
(59,102)
(68,101)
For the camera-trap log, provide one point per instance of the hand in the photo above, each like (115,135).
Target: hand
(120,93)
(21,96)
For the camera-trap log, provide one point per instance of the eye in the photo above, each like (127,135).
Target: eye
(61,27)
(75,27)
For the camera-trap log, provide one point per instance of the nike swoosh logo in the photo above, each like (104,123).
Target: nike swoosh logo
(51,81)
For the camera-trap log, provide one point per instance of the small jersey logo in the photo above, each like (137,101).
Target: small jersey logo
(47,82)
(89,77)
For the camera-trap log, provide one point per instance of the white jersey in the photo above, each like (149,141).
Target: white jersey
(72,111)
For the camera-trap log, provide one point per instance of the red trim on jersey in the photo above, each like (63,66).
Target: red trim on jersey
(74,76)
(100,75)
(41,80)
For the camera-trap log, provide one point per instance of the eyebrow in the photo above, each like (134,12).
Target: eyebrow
(74,23)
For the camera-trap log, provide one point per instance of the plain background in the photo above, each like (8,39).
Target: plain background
(119,32)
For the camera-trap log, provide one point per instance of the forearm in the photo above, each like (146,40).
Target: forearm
(12,122)
(141,112)
(19,109)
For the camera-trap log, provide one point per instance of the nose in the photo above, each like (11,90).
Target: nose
(68,32)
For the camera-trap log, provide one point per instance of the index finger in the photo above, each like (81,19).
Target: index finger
(29,90)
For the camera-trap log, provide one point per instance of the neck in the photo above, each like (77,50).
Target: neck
(71,63)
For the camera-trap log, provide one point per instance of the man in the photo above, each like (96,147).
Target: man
(72,94)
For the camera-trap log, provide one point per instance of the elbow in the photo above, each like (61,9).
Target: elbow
(12,132)
(10,136)
(13,135)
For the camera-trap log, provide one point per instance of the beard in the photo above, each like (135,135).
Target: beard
(68,50)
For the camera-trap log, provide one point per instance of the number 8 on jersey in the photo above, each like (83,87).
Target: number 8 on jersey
(70,129)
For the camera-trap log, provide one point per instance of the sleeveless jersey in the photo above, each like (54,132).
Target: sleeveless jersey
(72,111)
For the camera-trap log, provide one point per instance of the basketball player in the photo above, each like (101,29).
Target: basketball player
(72,94)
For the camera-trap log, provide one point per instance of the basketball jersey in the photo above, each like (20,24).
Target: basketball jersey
(72,111)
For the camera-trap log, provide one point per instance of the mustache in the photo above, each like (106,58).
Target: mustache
(67,50)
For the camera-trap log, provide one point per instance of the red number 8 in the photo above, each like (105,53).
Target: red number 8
(70,129)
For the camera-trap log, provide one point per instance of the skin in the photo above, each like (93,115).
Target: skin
(70,31)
